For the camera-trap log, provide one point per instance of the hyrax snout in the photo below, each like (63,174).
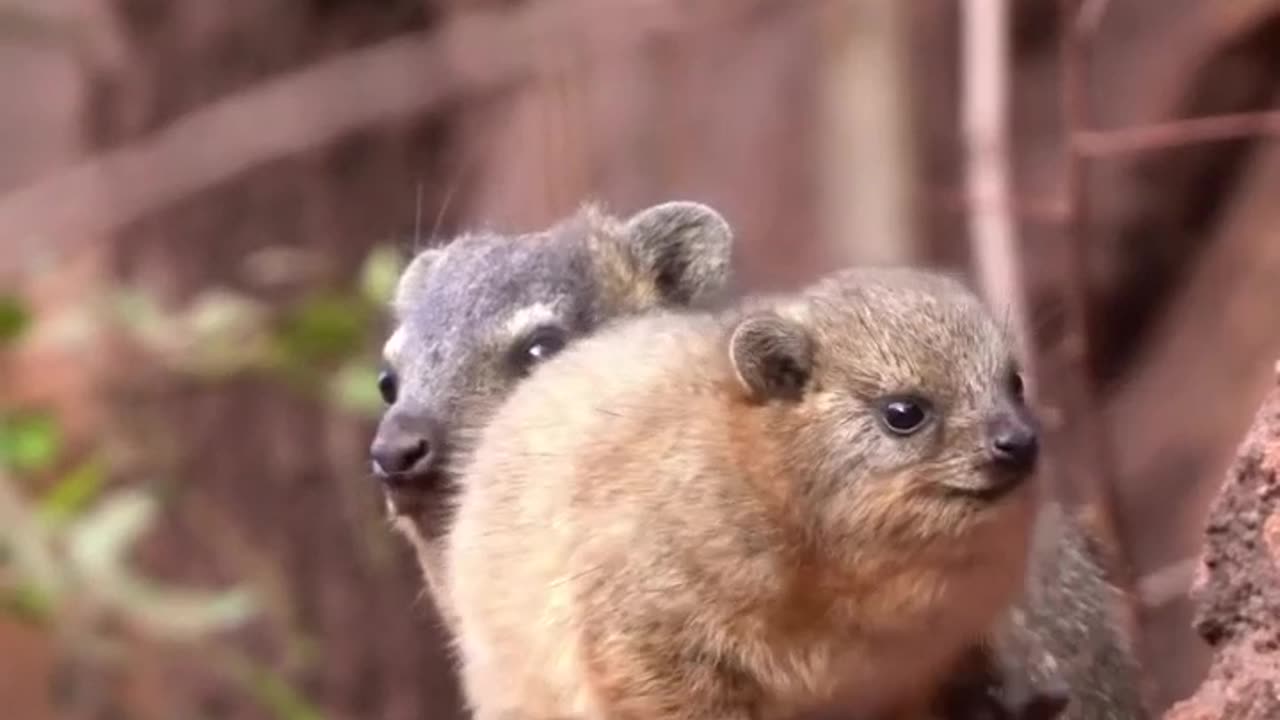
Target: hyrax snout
(1014,441)
(474,317)
(407,447)
(739,515)
(1013,444)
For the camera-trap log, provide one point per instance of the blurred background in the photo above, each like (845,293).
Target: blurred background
(204,205)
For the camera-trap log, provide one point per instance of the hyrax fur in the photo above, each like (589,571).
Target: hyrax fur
(474,316)
(1064,637)
(734,515)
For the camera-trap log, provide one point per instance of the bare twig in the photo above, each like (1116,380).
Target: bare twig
(1102,144)
(1092,461)
(1167,583)
(1161,136)
(25,539)
(984,112)
(1074,63)
(1039,210)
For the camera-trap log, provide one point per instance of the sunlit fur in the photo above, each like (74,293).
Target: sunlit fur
(641,535)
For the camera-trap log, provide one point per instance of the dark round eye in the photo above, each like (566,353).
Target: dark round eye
(387,386)
(1016,387)
(540,346)
(903,416)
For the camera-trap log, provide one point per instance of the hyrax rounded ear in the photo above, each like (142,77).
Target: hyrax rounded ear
(772,356)
(415,275)
(684,246)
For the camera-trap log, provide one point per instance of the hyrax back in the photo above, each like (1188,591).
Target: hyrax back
(1061,652)
(1072,612)
(690,516)
(474,316)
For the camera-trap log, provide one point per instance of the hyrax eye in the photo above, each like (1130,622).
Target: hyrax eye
(1016,386)
(387,386)
(903,416)
(540,346)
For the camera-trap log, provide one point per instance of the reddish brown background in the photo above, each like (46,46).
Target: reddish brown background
(633,102)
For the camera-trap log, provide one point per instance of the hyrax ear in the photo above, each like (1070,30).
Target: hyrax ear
(414,276)
(684,246)
(772,356)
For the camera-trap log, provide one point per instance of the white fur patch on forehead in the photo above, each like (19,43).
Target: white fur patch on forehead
(394,345)
(530,316)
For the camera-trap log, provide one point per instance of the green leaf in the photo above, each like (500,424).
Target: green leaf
(142,317)
(29,442)
(219,314)
(73,492)
(324,328)
(14,319)
(182,614)
(277,265)
(273,692)
(74,330)
(99,540)
(28,603)
(354,388)
(225,333)
(380,273)
(98,544)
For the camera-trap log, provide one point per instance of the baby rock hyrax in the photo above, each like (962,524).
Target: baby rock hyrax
(474,316)
(733,515)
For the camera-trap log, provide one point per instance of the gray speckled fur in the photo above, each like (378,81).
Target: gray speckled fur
(1070,609)
(1062,638)
(462,309)
(452,321)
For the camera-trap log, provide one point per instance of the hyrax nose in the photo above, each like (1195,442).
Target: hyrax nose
(1014,444)
(401,454)
(406,444)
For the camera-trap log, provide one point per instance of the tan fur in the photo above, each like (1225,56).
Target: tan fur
(639,537)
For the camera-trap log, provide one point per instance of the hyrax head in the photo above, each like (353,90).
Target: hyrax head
(895,398)
(475,316)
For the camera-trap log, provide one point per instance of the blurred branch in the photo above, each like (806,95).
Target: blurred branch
(475,52)
(866,151)
(1161,136)
(83,561)
(984,112)
(34,24)
(1090,16)
(65,555)
(1042,210)
(26,541)
(1092,462)
(1099,144)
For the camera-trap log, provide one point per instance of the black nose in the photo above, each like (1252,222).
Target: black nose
(407,443)
(1014,443)
(400,454)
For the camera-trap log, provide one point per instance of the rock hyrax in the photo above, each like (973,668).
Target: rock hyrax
(474,316)
(1065,632)
(732,515)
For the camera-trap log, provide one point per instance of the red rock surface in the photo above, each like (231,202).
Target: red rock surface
(1237,588)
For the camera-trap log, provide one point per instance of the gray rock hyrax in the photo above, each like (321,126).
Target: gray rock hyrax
(474,316)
